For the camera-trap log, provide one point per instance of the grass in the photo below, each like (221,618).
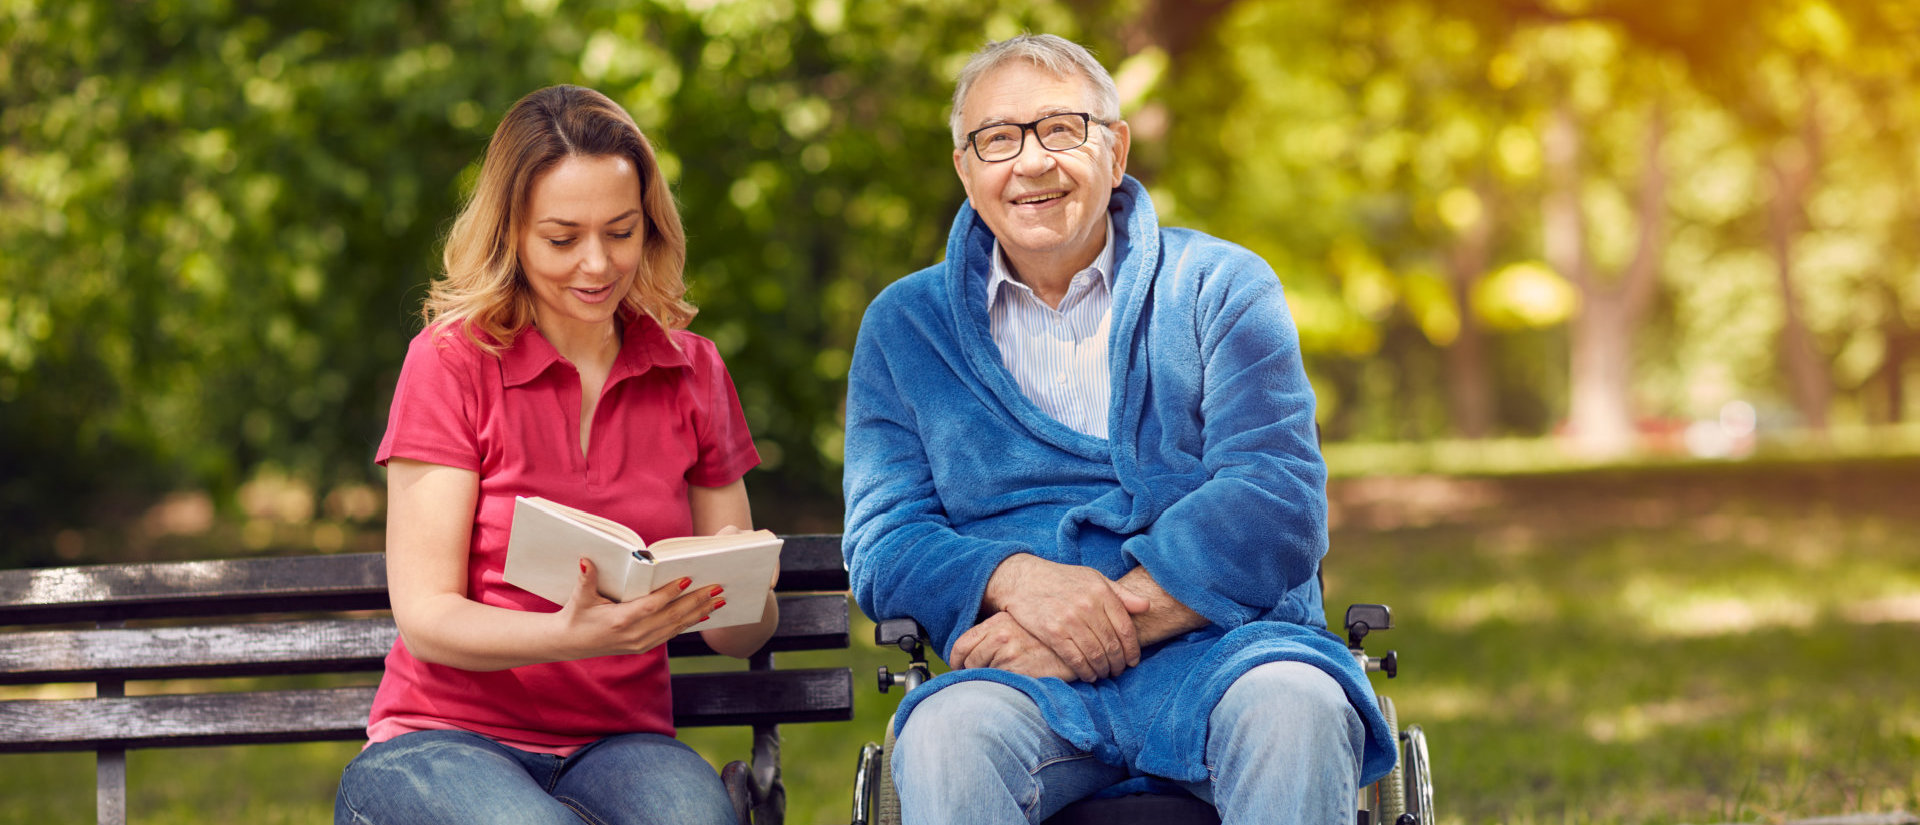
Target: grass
(1743,668)
(1744,658)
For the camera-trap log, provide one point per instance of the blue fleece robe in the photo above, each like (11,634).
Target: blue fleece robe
(1210,478)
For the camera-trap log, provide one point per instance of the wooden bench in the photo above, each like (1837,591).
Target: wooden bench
(118,623)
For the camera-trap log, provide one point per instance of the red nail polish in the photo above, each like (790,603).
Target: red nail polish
(717,590)
(685,583)
(719,604)
(583,565)
(703,618)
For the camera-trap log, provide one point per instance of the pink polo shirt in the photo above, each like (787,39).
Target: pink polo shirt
(667,418)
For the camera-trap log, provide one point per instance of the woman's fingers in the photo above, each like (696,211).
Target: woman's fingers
(586,590)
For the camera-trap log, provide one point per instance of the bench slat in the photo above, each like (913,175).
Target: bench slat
(812,561)
(355,581)
(807,622)
(314,646)
(188,720)
(813,621)
(763,697)
(184,720)
(347,581)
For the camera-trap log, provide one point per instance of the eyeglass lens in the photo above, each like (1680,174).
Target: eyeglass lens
(1057,133)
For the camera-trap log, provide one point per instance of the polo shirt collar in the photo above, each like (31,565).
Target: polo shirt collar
(643,346)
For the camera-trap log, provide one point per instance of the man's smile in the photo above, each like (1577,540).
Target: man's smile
(1038,197)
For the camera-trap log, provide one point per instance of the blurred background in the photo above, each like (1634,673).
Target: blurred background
(1613,308)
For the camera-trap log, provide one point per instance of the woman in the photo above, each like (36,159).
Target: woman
(554,363)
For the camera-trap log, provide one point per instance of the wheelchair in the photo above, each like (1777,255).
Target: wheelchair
(1403,797)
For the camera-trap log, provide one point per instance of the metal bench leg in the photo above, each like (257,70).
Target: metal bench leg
(769,794)
(110,764)
(110,789)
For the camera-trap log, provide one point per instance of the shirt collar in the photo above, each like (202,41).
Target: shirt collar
(1102,268)
(643,346)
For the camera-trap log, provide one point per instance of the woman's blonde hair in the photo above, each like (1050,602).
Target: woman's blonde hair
(483,290)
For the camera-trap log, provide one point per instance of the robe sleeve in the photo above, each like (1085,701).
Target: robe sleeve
(904,559)
(1246,543)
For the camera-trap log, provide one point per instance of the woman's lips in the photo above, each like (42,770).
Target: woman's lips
(592,296)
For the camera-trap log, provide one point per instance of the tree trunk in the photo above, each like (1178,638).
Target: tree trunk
(1469,376)
(1900,338)
(1894,368)
(1794,164)
(1600,410)
(1600,376)
(1175,27)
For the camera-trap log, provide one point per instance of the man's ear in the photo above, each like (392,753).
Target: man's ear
(960,162)
(1122,141)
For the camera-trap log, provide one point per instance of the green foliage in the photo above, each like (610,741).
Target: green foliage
(1358,146)
(219,219)
(219,216)
(214,223)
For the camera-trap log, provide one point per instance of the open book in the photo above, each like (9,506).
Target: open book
(549,539)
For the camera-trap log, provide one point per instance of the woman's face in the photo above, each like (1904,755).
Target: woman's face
(581,246)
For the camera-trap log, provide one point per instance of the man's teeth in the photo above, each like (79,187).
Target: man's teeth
(1037,198)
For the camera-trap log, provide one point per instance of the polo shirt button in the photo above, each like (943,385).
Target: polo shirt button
(1060,378)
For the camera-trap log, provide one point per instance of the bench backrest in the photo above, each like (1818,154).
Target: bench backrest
(110,624)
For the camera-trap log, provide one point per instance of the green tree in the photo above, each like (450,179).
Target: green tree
(219,216)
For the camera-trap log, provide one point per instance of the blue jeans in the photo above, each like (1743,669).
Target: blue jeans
(444,776)
(1283,747)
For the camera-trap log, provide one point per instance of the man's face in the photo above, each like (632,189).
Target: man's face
(1046,208)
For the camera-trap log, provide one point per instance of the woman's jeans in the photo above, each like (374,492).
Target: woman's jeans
(443,776)
(1284,747)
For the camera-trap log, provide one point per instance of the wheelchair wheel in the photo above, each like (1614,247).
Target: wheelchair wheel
(1390,793)
(1420,776)
(887,806)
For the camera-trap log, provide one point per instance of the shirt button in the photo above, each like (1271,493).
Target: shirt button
(1060,378)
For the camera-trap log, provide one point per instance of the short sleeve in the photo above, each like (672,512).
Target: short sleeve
(435,403)
(720,425)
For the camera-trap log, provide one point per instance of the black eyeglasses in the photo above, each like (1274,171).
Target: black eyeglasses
(1057,133)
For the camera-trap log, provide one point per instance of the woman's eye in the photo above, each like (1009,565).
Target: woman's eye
(560,242)
(623,235)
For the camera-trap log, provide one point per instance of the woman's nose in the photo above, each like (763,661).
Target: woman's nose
(593,255)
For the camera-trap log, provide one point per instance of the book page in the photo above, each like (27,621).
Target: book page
(612,528)
(689,545)
(742,563)
(545,548)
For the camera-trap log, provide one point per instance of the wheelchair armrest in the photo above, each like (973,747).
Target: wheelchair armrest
(900,633)
(1366,618)
(911,638)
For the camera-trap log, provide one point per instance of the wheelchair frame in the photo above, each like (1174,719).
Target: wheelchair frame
(1403,797)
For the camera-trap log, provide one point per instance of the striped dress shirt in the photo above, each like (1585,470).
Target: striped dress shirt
(1058,356)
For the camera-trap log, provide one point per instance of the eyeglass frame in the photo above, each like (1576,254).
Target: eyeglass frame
(1086,123)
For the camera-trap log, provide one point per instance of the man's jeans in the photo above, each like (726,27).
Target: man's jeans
(1284,747)
(440,776)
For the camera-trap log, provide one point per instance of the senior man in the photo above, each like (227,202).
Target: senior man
(1080,451)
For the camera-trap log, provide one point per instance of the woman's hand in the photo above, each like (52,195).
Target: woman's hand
(719,511)
(593,625)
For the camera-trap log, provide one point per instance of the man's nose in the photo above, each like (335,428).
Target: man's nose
(1033,159)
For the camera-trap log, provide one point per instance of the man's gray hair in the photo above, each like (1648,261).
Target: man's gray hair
(1055,54)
